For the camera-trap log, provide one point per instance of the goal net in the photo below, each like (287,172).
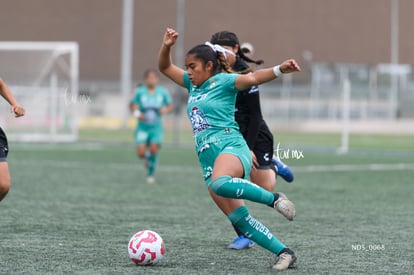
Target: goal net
(43,76)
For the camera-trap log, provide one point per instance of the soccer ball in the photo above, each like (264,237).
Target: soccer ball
(146,248)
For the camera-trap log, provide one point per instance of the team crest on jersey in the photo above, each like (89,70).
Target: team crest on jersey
(198,121)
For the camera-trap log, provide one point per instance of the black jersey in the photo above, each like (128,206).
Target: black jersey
(248,113)
(4,149)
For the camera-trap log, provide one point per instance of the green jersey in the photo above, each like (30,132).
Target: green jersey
(210,109)
(150,103)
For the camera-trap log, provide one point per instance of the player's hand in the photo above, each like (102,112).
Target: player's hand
(254,160)
(289,66)
(17,110)
(162,111)
(170,37)
(136,113)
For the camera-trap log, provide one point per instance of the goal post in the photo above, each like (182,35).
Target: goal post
(44,78)
(346,111)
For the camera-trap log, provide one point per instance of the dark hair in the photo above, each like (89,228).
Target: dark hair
(205,53)
(150,71)
(226,38)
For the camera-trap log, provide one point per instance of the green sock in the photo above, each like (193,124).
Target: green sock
(152,164)
(237,188)
(255,230)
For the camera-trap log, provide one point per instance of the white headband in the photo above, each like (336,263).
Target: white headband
(219,49)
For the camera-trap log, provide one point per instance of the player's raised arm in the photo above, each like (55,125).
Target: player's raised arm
(244,82)
(8,96)
(165,64)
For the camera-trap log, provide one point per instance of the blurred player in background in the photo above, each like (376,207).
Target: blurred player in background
(4,168)
(150,102)
(254,129)
(223,153)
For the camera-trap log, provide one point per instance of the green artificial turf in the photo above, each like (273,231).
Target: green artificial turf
(73,207)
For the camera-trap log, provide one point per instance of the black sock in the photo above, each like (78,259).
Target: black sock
(287,250)
(274,200)
(238,232)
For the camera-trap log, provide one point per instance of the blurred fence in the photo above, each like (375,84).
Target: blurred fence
(377,92)
(381,93)
(380,98)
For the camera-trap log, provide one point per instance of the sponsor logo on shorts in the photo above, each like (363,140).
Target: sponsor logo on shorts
(208,171)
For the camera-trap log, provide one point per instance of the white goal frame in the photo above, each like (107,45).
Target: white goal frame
(71,71)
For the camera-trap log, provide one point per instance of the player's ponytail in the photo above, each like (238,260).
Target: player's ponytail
(241,53)
(223,63)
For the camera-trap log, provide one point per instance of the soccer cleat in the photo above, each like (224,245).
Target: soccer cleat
(283,170)
(285,207)
(285,260)
(150,179)
(240,243)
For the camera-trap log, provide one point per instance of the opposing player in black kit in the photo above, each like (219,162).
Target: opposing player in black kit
(253,127)
(4,149)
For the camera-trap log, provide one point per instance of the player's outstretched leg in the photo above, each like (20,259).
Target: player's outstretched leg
(261,235)
(238,188)
(248,226)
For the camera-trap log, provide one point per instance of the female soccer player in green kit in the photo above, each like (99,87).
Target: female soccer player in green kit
(253,127)
(149,103)
(223,153)
(4,149)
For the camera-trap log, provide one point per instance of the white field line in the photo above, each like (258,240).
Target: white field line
(196,170)
(354,167)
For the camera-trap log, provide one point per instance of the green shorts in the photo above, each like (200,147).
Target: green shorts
(148,134)
(208,153)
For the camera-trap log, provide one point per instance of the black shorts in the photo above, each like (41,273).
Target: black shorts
(263,149)
(4,149)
